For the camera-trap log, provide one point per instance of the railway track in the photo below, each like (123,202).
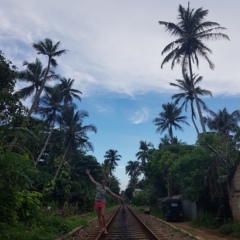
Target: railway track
(126,224)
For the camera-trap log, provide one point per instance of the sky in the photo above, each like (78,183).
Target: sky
(114,55)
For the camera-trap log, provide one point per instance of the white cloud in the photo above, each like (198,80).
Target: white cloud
(101,108)
(115,46)
(139,116)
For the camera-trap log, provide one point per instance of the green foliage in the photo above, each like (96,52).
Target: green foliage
(206,220)
(184,165)
(28,206)
(140,199)
(47,227)
(56,223)
(129,193)
(16,174)
(230,228)
(76,221)
(189,171)
(157,212)
(10,106)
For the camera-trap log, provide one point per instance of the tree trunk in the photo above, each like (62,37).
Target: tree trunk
(36,99)
(18,134)
(45,145)
(194,123)
(169,186)
(60,165)
(196,98)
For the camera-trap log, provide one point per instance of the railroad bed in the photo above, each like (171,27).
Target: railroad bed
(127,224)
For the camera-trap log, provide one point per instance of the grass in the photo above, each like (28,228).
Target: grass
(156,212)
(47,227)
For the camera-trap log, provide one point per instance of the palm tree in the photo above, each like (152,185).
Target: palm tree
(187,94)
(178,142)
(34,75)
(106,170)
(50,108)
(145,150)
(165,140)
(191,31)
(169,118)
(75,134)
(68,93)
(133,169)
(223,122)
(46,47)
(111,156)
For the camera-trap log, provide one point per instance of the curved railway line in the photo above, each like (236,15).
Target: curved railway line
(127,224)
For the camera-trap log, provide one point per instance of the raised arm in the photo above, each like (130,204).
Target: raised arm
(90,177)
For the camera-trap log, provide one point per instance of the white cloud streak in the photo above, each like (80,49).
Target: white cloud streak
(139,116)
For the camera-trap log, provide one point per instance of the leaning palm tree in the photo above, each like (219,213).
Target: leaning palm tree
(33,75)
(50,108)
(68,93)
(75,134)
(169,118)
(187,94)
(145,150)
(45,47)
(111,156)
(191,31)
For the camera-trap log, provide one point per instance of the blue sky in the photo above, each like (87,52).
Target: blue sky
(114,55)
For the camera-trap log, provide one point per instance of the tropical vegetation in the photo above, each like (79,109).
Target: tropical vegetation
(45,149)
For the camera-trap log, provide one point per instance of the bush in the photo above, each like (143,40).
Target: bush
(16,174)
(230,228)
(28,206)
(55,224)
(206,220)
(140,199)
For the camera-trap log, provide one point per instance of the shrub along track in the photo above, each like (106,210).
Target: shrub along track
(126,224)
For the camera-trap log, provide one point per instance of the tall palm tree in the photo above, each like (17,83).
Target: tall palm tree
(170,118)
(187,94)
(46,47)
(50,108)
(223,122)
(191,31)
(111,156)
(68,93)
(145,150)
(33,75)
(75,134)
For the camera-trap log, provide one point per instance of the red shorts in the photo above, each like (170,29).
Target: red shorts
(99,205)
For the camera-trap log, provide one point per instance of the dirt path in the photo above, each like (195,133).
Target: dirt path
(202,233)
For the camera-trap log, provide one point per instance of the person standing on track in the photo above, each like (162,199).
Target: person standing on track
(100,204)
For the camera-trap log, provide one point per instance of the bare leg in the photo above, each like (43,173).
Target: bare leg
(102,213)
(100,223)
